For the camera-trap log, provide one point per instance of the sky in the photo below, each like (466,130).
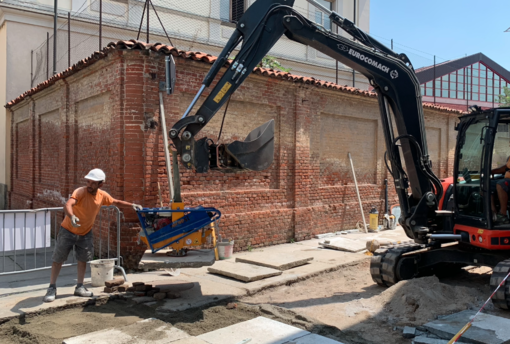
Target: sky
(449,29)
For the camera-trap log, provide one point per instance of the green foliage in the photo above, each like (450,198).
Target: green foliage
(250,248)
(272,63)
(504,99)
(292,240)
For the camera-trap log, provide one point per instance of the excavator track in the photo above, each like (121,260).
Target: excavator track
(502,298)
(383,265)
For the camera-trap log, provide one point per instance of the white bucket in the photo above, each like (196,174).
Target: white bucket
(101,270)
(225,249)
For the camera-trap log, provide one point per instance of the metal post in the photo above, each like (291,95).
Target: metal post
(31,68)
(44,238)
(108,224)
(353,71)
(68,39)
(55,38)
(47,55)
(100,238)
(100,24)
(165,143)
(434,83)
(147,21)
(336,60)
(392,44)
(141,22)
(3,240)
(357,193)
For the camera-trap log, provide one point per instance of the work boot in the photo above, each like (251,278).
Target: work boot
(82,291)
(51,294)
(502,220)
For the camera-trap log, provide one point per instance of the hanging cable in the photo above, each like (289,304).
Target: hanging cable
(224,114)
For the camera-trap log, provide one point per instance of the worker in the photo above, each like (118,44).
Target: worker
(502,188)
(76,230)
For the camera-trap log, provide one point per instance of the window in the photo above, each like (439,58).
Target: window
(231,10)
(321,17)
(237,10)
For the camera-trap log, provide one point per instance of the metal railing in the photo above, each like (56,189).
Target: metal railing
(28,237)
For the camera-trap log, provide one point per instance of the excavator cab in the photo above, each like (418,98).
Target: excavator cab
(483,144)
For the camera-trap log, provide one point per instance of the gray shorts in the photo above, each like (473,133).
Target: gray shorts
(83,246)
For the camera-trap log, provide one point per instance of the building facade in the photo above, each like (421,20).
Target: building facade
(26,40)
(458,84)
(95,114)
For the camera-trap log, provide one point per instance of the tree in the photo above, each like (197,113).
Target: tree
(272,63)
(504,99)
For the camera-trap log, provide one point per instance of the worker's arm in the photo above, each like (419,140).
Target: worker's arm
(499,170)
(68,209)
(117,202)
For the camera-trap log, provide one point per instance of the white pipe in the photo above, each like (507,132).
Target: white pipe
(165,143)
(357,192)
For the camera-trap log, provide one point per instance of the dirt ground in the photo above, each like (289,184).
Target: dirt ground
(345,305)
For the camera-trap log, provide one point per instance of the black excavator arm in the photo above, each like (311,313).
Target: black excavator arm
(391,75)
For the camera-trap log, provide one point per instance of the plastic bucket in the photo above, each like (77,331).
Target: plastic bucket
(225,249)
(101,270)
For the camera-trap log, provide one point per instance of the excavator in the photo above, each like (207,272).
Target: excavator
(449,221)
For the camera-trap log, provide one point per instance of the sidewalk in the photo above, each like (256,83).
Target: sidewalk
(25,297)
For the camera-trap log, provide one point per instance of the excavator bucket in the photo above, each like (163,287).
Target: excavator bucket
(256,152)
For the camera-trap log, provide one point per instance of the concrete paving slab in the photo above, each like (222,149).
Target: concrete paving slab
(190,340)
(203,293)
(344,244)
(147,331)
(278,261)
(260,330)
(313,339)
(485,329)
(427,340)
(243,272)
(159,260)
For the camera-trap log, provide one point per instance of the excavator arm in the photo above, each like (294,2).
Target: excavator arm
(391,75)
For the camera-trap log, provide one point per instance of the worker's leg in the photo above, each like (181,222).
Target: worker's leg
(82,266)
(503,199)
(63,246)
(84,251)
(55,271)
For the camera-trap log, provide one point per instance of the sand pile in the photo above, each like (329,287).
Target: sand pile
(413,302)
(422,299)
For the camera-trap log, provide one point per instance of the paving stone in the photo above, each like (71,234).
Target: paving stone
(142,299)
(159,260)
(243,272)
(409,332)
(135,284)
(486,329)
(344,244)
(278,261)
(123,288)
(312,339)
(114,282)
(260,330)
(173,286)
(427,340)
(110,289)
(190,340)
(124,335)
(159,296)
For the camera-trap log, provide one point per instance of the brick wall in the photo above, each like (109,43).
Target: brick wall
(99,116)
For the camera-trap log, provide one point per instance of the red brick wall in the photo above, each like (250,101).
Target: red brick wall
(99,117)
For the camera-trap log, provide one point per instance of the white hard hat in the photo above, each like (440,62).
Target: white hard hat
(96,175)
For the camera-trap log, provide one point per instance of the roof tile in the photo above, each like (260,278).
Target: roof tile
(197,56)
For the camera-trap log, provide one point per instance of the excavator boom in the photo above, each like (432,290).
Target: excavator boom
(391,75)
